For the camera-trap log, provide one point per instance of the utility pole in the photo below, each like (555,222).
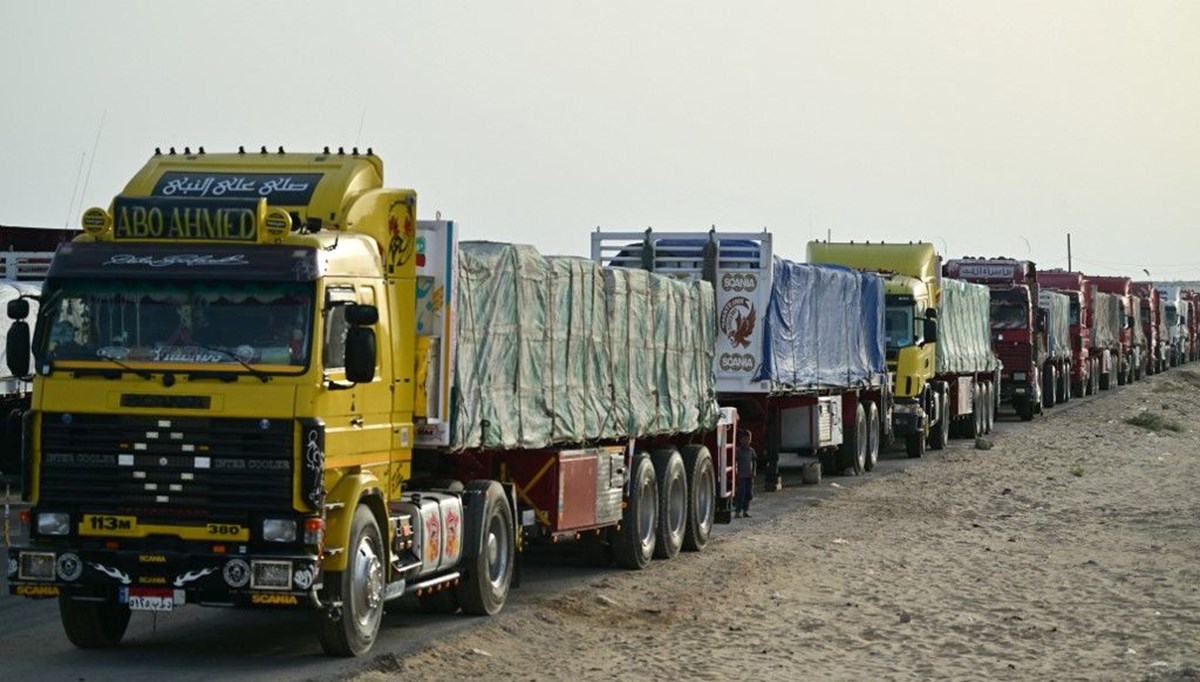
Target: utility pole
(1069,269)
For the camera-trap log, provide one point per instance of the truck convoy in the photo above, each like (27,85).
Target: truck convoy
(260,381)
(946,377)
(1032,376)
(800,347)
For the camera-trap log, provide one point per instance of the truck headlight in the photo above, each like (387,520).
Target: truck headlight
(53,523)
(279,530)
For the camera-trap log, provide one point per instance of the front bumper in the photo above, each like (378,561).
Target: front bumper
(908,417)
(159,580)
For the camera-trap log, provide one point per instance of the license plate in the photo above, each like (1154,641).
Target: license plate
(148,599)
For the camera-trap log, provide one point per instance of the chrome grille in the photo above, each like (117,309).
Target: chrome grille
(168,469)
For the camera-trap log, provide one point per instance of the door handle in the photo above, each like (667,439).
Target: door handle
(357,421)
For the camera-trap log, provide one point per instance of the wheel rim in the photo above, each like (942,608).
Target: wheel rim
(676,504)
(496,549)
(367,592)
(872,435)
(705,500)
(860,439)
(648,500)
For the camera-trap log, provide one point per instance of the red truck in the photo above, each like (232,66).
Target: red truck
(1030,378)
(1150,310)
(1128,358)
(1193,323)
(1086,367)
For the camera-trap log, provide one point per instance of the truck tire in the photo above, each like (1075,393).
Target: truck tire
(989,392)
(633,543)
(1050,387)
(914,444)
(977,411)
(873,437)
(941,430)
(93,625)
(1024,408)
(488,567)
(672,502)
(359,588)
(852,453)
(702,500)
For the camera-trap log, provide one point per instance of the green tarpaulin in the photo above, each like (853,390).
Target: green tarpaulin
(557,350)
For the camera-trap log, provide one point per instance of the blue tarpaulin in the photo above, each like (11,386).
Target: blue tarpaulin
(824,328)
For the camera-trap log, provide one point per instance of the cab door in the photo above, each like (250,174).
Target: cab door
(340,410)
(373,400)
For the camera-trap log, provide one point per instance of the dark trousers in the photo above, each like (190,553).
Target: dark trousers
(743,492)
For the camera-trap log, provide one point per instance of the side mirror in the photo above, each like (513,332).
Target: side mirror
(930,331)
(18,343)
(18,309)
(360,343)
(362,315)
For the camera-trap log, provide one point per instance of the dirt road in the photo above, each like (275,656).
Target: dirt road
(1069,551)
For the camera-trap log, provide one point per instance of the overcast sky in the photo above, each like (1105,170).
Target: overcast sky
(986,127)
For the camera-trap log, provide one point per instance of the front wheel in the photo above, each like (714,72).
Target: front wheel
(941,430)
(914,444)
(489,565)
(1024,408)
(93,625)
(360,590)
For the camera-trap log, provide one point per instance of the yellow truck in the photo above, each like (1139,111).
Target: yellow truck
(260,381)
(938,342)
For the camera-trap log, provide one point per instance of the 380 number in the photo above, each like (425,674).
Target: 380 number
(223,529)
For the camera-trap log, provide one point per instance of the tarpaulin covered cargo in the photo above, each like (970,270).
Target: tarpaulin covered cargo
(1106,321)
(554,350)
(824,328)
(1139,330)
(964,329)
(1058,323)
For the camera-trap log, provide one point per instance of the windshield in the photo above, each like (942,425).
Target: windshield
(1172,315)
(1009,315)
(898,323)
(139,320)
(1074,311)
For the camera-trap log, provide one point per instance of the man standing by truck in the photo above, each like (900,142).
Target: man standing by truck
(747,465)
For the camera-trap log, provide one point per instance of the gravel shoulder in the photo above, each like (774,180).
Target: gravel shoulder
(1069,551)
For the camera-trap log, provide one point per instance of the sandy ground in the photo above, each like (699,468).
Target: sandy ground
(1069,551)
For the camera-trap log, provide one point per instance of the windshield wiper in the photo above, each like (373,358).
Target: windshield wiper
(258,373)
(140,372)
